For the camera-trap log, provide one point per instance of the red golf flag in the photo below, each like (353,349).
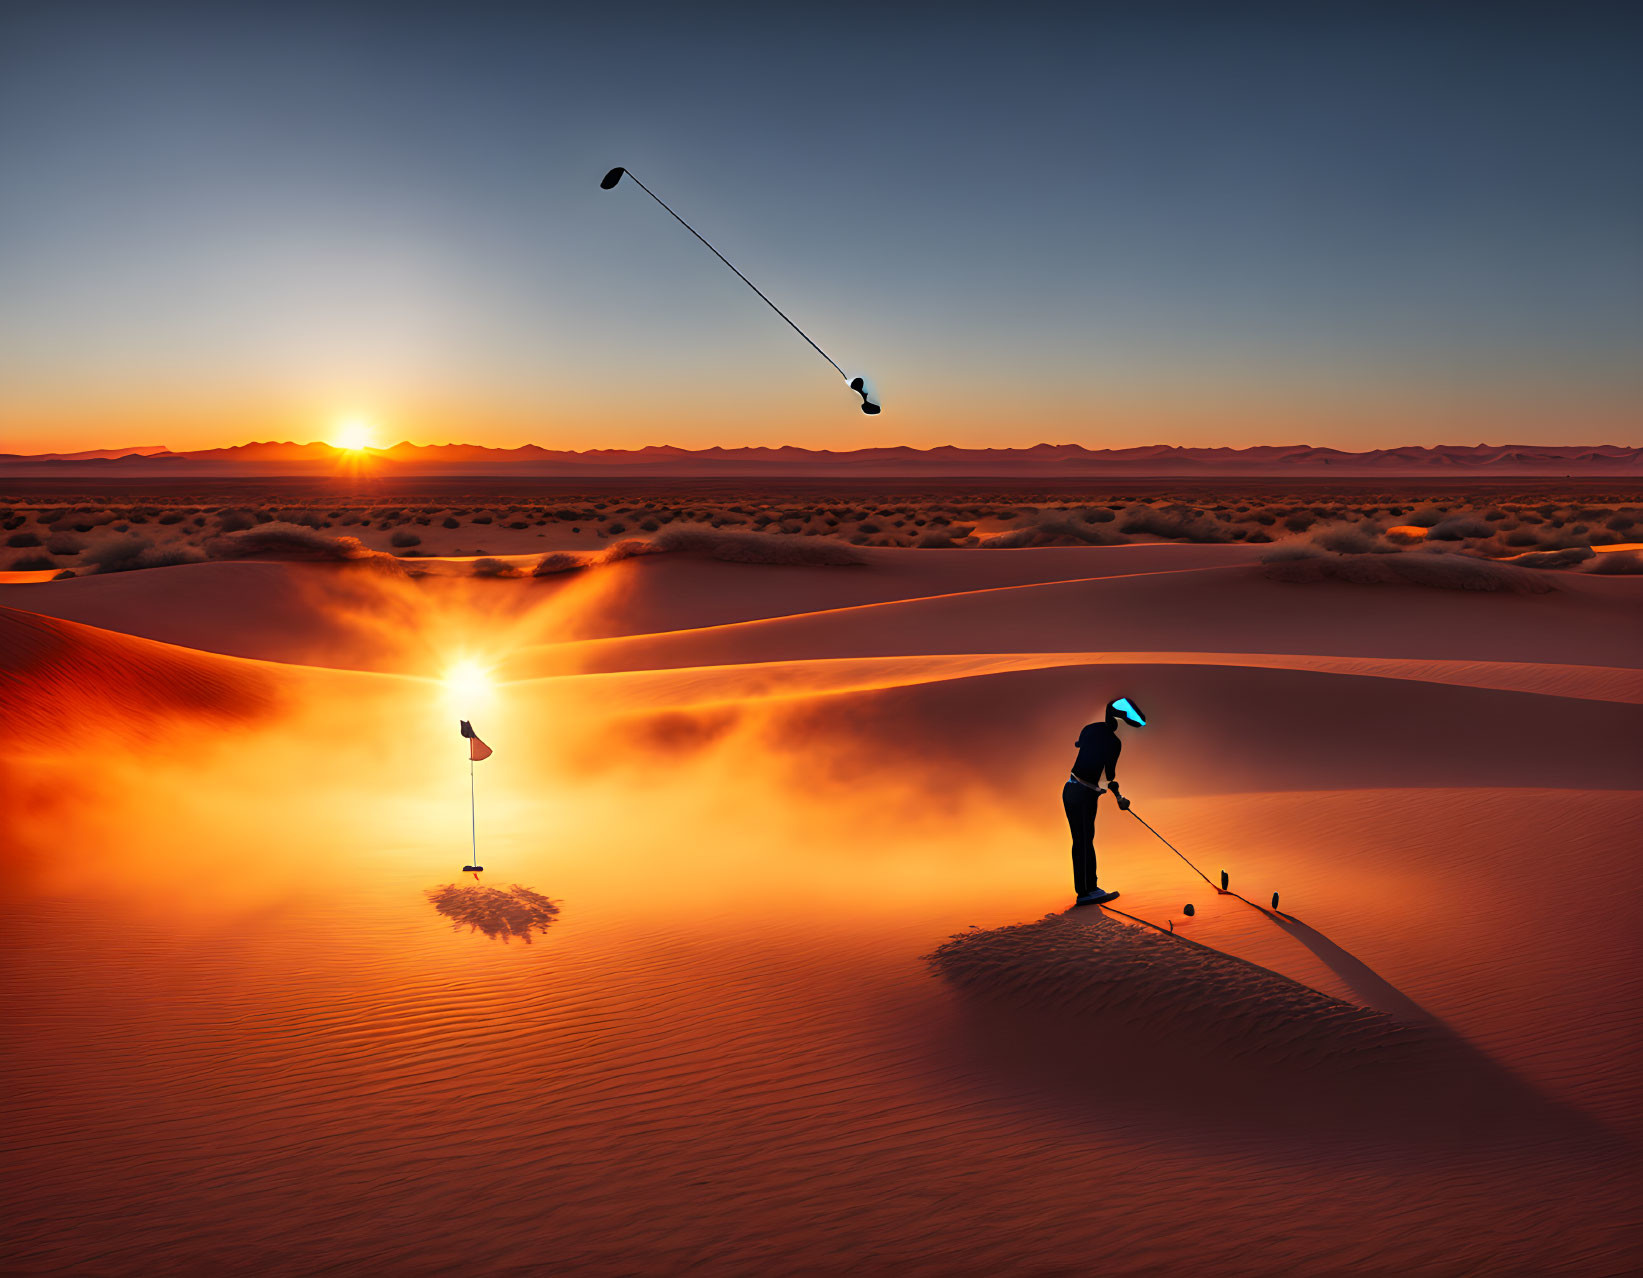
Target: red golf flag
(477,749)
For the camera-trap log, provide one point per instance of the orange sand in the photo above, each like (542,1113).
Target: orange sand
(256,1019)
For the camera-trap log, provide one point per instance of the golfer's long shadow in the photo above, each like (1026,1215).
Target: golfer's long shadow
(1368,984)
(1097,1019)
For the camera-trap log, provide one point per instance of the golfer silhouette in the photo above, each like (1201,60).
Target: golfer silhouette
(1098,750)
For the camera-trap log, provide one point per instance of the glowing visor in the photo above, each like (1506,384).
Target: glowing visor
(1128,711)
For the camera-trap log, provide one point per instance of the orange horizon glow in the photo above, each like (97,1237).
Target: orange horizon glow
(693,414)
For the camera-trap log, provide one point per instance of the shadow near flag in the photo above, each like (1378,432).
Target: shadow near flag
(497,912)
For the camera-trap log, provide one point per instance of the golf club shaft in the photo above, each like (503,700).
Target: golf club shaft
(1173,849)
(739,275)
(473,816)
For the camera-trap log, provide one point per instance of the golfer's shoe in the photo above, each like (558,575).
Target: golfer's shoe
(1095,897)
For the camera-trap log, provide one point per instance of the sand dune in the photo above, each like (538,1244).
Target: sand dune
(675,687)
(1161,1017)
(331,614)
(58,678)
(1587,621)
(746,820)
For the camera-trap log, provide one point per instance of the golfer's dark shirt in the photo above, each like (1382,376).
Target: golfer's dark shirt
(1098,747)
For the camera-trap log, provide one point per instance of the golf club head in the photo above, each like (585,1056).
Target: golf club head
(612,178)
(868,404)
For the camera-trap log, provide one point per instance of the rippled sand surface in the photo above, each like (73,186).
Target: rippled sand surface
(773,972)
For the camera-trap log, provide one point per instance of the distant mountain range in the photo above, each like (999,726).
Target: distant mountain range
(1040,460)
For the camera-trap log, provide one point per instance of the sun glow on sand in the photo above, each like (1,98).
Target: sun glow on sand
(468,685)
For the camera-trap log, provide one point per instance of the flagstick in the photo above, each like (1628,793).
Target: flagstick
(473,817)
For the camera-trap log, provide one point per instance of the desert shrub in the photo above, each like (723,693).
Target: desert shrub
(1619,563)
(121,555)
(65,544)
(740,548)
(1458,528)
(284,541)
(1052,532)
(615,527)
(32,563)
(494,568)
(402,538)
(558,561)
(23,540)
(170,517)
(449,522)
(482,519)
(1429,517)
(1347,539)
(1177,523)
(130,553)
(1435,571)
(170,556)
(64,575)
(519,523)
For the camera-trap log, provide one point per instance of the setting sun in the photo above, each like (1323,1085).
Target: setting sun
(354,434)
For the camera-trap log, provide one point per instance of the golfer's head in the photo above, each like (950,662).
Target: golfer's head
(1123,710)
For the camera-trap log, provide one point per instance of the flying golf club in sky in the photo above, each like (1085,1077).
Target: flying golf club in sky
(857,384)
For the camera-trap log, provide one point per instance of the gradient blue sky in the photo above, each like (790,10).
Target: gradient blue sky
(1349,224)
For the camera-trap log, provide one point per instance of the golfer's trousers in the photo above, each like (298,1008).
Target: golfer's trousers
(1080,802)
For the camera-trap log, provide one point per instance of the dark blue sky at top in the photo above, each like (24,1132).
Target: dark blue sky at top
(1356,224)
